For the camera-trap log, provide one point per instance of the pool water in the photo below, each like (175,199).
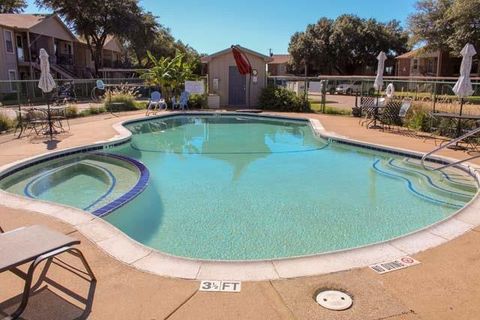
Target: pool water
(87,181)
(235,187)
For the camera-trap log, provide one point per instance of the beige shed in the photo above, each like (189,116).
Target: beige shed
(225,80)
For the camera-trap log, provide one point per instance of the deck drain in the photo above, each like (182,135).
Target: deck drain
(334,300)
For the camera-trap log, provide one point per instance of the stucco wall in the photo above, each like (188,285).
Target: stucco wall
(219,67)
(8,61)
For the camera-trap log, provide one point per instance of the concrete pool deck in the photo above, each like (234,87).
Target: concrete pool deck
(147,296)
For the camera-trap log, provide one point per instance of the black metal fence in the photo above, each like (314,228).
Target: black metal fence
(430,93)
(26,92)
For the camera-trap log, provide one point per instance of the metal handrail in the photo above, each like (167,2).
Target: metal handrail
(454,141)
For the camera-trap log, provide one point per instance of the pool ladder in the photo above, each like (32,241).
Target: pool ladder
(454,141)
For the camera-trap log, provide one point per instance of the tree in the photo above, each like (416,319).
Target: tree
(168,73)
(12,6)
(95,20)
(464,16)
(446,24)
(311,48)
(430,23)
(146,34)
(346,44)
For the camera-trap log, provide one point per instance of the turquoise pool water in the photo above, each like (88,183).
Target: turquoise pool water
(245,188)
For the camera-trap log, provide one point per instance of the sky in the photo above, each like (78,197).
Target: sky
(213,25)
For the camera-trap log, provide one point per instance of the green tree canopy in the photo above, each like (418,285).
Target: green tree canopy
(148,35)
(12,6)
(446,24)
(345,44)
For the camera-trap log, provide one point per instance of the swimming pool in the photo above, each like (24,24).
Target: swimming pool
(238,187)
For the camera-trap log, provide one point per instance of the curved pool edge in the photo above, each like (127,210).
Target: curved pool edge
(125,249)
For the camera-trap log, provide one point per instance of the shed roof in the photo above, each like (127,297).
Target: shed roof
(421,52)
(408,55)
(209,58)
(280,58)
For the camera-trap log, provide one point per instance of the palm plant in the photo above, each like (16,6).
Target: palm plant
(168,73)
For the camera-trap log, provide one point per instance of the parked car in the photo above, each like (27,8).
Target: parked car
(354,87)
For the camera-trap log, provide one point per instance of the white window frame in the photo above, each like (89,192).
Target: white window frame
(13,41)
(13,88)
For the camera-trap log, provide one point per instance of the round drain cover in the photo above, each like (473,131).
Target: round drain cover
(334,300)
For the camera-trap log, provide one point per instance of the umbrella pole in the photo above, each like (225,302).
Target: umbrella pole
(457,146)
(459,125)
(49,115)
(375,113)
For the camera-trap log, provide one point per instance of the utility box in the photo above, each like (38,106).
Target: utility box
(213,101)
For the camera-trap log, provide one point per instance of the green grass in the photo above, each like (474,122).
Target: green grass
(317,107)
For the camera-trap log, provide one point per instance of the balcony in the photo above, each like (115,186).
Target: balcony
(114,64)
(64,59)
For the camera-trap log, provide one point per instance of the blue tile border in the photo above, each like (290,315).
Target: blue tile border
(117,203)
(132,193)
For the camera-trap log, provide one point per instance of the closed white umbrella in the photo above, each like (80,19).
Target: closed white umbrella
(463,87)
(46,84)
(378,84)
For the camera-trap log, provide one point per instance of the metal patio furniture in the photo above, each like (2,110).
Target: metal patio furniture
(33,245)
(395,113)
(371,109)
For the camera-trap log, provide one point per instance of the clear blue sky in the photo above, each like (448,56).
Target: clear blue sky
(213,25)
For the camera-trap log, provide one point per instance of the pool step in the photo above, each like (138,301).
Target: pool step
(453,176)
(422,184)
(433,180)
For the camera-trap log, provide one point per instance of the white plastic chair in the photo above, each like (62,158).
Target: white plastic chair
(156,102)
(182,103)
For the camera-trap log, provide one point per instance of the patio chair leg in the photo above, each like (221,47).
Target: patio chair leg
(29,276)
(76,252)
(26,288)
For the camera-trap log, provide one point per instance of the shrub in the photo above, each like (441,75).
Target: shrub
(71,111)
(5,122)
(121,99)
(197,101)
(337,111)
(92,111)
(141,105)
(281,99)
(419,119)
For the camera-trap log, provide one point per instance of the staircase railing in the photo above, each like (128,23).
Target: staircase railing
(454,141)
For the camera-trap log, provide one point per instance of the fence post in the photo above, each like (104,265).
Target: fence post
(434,95)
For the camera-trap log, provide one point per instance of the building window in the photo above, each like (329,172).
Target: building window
(9,41)
(415,64)
(12,76)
